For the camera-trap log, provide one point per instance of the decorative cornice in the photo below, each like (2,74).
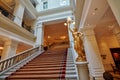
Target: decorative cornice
(54,11)
(62,15)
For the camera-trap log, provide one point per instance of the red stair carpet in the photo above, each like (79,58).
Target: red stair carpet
(49,65)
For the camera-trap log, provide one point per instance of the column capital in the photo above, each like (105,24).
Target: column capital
(88,30)
(87,27)
(7,43)
(10,41)
(39,25)
(10,47)
(116,29)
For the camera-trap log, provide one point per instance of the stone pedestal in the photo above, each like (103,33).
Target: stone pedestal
(82,68)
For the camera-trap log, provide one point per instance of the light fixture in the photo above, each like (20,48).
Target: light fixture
(65,24)
(93,13)
(1,48)
(96,9)
(69,21)
(88,24)
(73,23)
(103,56)
(49,37)
(63,37)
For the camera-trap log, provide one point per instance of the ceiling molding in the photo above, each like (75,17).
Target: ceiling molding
(54,11)
(58,16)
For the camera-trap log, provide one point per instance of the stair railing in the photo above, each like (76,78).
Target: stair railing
(7,63)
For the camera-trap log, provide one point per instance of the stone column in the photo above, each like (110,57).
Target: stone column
(9,49)
(95,65)
(39,34)
(18,12)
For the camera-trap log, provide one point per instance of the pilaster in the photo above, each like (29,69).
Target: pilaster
(18,12)
(39,34)
(95,65)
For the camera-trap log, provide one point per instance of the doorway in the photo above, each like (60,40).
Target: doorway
(116,56)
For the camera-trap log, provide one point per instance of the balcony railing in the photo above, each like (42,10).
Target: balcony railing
(27,27)
(11,17)
(7,63)
(7,14)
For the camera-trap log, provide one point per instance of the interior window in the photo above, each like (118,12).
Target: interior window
(45,5)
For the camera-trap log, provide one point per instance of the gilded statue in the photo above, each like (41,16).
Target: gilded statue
(78,44)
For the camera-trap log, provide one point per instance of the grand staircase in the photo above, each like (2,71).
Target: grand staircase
(56,64)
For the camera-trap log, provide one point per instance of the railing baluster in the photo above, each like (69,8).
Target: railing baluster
(4,64)
(7,64)
(10,62)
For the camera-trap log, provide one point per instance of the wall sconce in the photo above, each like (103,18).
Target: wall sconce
(1,48)
(69,21)
(103,56)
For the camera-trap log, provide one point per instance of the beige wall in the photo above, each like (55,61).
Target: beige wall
(105,43)
(22,47)
(55,31)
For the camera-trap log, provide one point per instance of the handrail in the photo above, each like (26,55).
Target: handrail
(7,63)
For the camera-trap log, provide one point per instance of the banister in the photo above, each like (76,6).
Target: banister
(6,63)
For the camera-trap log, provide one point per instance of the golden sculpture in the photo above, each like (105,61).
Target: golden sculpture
(78,44)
